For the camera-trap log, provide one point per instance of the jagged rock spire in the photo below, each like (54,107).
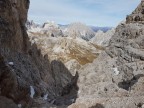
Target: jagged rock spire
(137,15)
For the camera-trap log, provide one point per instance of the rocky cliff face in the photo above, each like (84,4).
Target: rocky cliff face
(26,74)
(116,78)
(13,16)
(138,15)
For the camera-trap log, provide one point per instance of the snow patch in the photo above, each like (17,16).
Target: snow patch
(11,63)
(19,105)
(45,97)
(116,71)
(32,42)
(32,91)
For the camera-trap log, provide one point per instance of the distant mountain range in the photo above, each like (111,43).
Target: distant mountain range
(62,26)
(94,28)
(75,44)
(104,29)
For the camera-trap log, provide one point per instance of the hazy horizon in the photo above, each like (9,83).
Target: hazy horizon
(100,13)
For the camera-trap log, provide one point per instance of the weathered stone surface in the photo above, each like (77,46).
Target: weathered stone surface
(137,15)
(115,79)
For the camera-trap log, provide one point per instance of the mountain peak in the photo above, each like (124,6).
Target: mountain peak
(137,15)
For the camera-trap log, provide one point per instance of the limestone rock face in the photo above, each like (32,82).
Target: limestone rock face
(48,29)
(116,78)
(137,15)
(13,16)
(25,74)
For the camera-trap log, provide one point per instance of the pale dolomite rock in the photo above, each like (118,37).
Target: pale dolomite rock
(116,78)
(102,38)
(57,49)
(79,30)
(143,106)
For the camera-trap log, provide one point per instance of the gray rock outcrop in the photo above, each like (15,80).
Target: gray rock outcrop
(116,78)
(138,15)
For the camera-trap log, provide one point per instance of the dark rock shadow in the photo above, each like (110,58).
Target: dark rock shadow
(64,86)
(129,83)
(68,93)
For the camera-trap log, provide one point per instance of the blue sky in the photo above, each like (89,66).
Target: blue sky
(90,12)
